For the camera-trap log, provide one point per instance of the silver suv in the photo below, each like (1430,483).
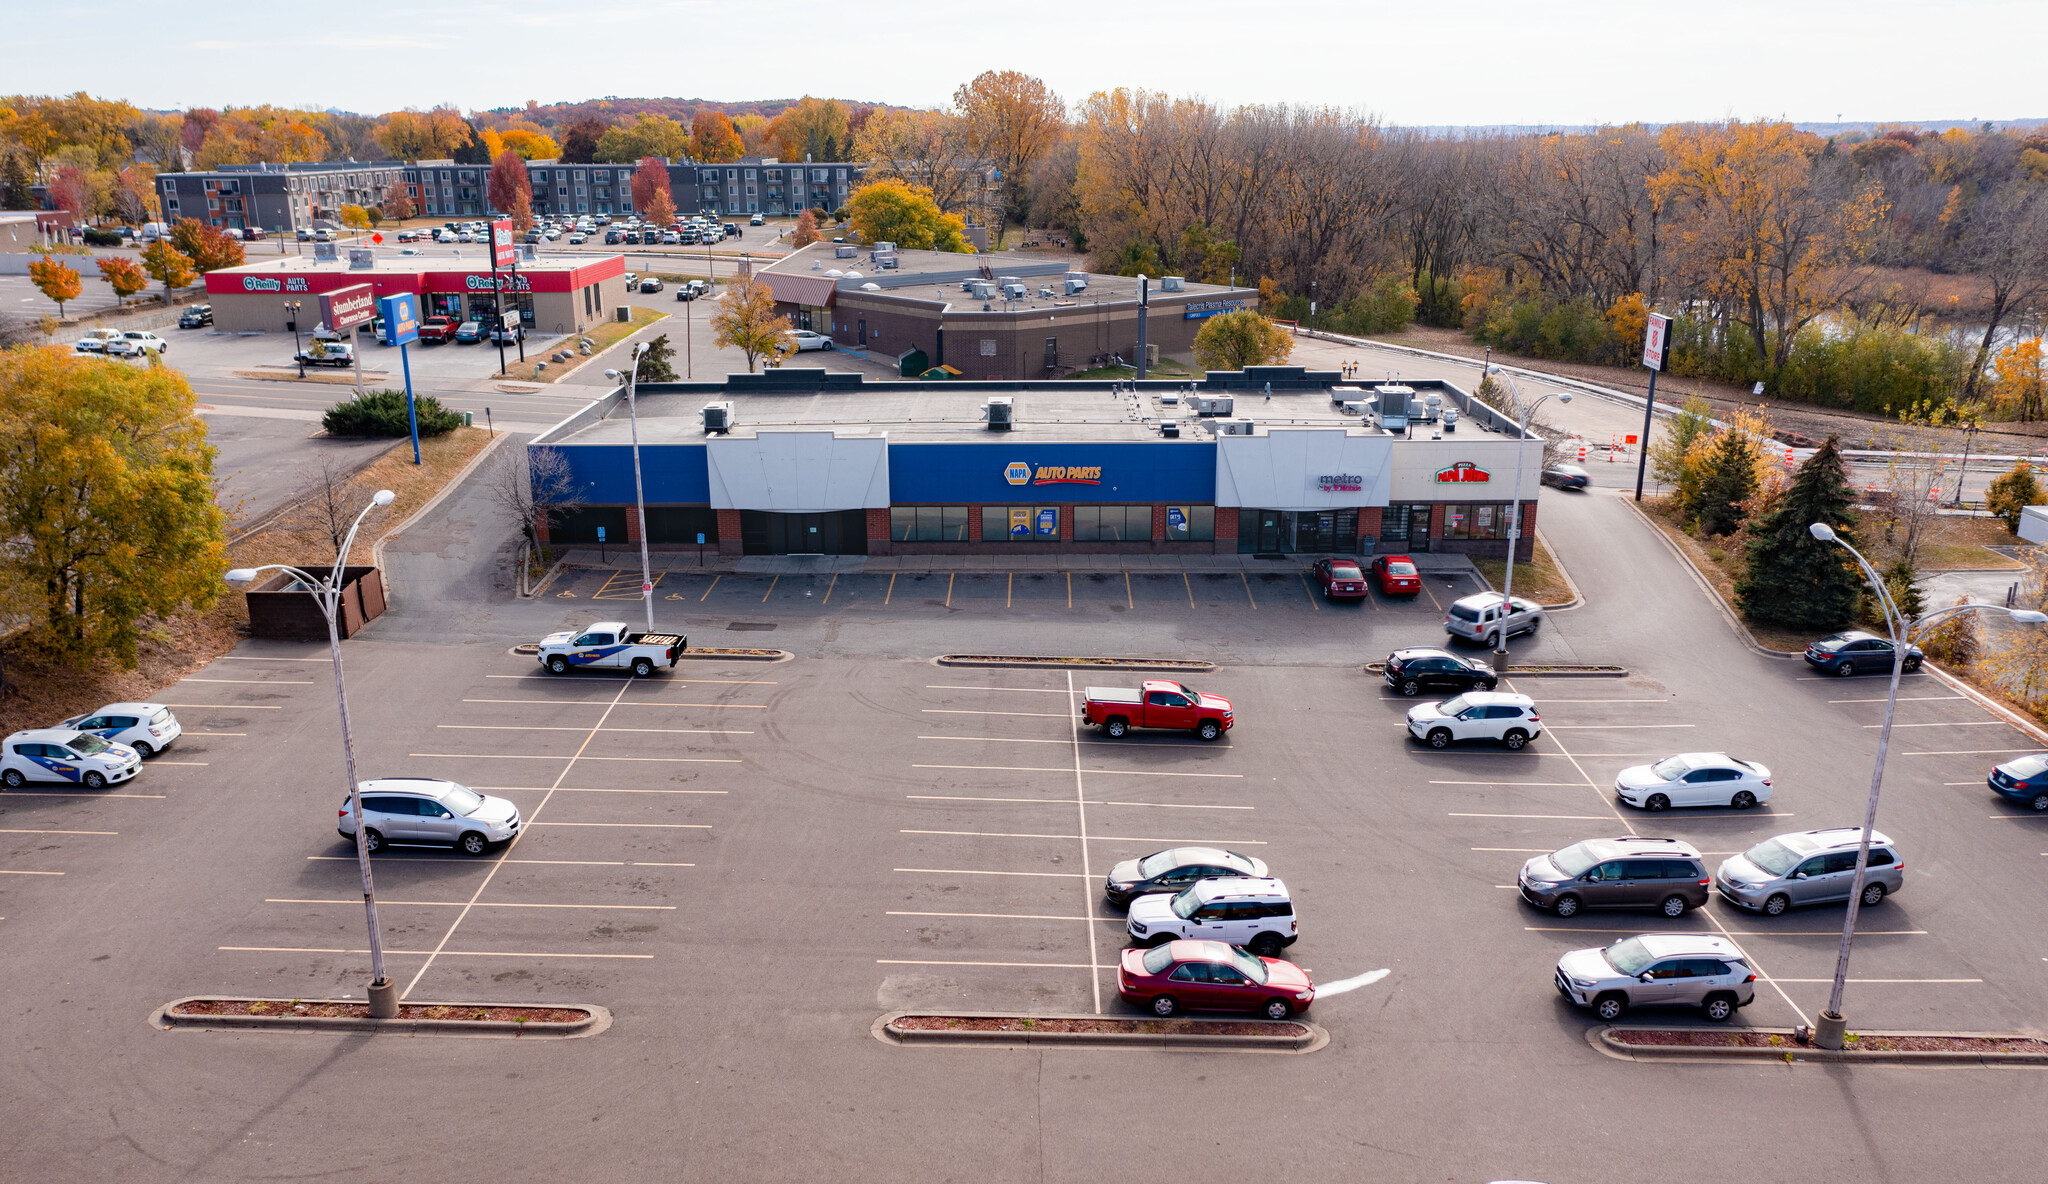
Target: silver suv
(1658,969)
(1485,618)
(423,810)
(1255,914)
(1809,867)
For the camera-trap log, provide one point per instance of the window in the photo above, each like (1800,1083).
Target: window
(1106,524)
(1643,869)
(1190,524)
(1020,524)
(1165,699)
(1488,521)
(540,176)
(1841,861)
(928,524)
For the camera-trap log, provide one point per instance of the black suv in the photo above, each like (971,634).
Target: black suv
(1414,671)
(1631,872)
(197,316)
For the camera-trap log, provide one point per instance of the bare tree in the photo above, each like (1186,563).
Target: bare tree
(326,500)
(2008,246)
(526,483)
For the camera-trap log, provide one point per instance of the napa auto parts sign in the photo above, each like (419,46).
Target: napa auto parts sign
(1463,473)
(1025,473)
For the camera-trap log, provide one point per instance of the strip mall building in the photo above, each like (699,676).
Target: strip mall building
(553,297)
(1267,460)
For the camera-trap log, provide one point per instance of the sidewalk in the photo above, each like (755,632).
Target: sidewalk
(628,559)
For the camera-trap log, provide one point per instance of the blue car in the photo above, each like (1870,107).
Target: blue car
(2023,780)
(1856,652)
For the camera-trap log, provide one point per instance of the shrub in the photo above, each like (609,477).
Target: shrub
(1386,306)
(1886,371)
(382,413)
(102,238)
(1440,302)
(2012,492)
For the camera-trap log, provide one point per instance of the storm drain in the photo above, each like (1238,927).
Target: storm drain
(749,626)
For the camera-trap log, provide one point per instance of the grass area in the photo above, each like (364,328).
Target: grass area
(39,693)
(1163,368)
(1540,579)
(1720,562)
(602,338)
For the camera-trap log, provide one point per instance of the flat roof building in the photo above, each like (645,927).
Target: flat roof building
(553,297)
(278,196)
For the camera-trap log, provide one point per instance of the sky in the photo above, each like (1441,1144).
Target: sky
(1471,62)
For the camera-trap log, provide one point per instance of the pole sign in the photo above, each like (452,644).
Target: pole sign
(345,308)
(504,251)
(401,318)
(1657,342)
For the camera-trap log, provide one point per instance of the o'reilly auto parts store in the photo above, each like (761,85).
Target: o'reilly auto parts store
(553,297)
(1268,460)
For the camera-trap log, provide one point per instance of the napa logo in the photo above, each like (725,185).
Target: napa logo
(1017,473)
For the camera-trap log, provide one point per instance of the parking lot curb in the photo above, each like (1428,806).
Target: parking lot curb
(1791,1052)
(1314,1036)
(600,1019)
(1698,577)
(1174,665)
(1988,703)
(729,656)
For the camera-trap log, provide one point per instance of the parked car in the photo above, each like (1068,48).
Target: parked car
(1476,715)
(610,644)
(633,237)
(632,279)
(1488,617)
(669,238)
(1212,976)
(756,220)
(1254,913)
(500,335)
(1658,969)
(428,811)
(136,342)
(443,236)
(613,238)
(437,329)
(732,230)
(1340,579)
(1175,869)
(1397,575)
(326,353)
(95,341)
(1159,703)
(469,333)
(408,236)
(255,234)
(685,292)
(578,239)
(1694,779)
(1853,650)
(804,339)
(1563,476)
(148,728)
(1425,668)
(2023,780)
(650,284)
(1630,872)
(1809,867)
(65,755)
(304,236)
(195,317)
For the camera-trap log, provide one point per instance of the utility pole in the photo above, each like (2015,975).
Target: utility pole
(1656,352)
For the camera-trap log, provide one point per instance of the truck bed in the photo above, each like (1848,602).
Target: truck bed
(674,639)
(1129,696)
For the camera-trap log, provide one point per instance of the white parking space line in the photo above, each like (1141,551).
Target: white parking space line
(1922,981)
(1524,755)
(754,682)
(59,832)
(552,728)
(572,789)
(430,955)
(466,859)
(508,756)
(1058,769)
(1523,784)
(1971,752)
(1613,727)
(1001,916)
(933,797)
(956,871)
(1018,714)
(10,872)
(1026,690)
(1973,723)
(1558,817)
(242,658)
(456,904)
(1747,933)
(1605,700)
(184,764)
(995,740)
(1081,816)
(255,682)
(76,793)
(1834,677)
(1040,965)
(216,733)
(226,706)
(1902,699)
(632,825)
(991,834)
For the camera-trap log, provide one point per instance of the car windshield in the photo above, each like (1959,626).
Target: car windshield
(1629,956)
(1671,768)
(1186,903)
(1574,860)
(1773,857)
(461,799)
(1400,569)
(87,744)
(1158,862)
(1157,959)
(1248,964)
(1453,705)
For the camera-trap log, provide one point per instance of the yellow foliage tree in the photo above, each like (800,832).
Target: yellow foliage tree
(58,282)
(355,217)
(2021,391)
(747,320)
(1235,340)
(892,211)
(169,266)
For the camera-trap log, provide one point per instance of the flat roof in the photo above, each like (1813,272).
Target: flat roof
(392,264)
(937,276)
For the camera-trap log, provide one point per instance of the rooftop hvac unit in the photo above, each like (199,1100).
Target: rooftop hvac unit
(983,290)
(1212,404)
(1008,279)
(886,262)
(718,417)
(1169,398)
(1078,275)
(885,248)
(1345,394)
(1233,427)
(1355,406)
(1170,428)
(1173,283)
(1045,293)
(1076,287)
(1013,291)
(1000,411)
(844,251)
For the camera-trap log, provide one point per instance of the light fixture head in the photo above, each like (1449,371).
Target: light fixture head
(384,497)
(1564,396)
(611,376)
(241,575)
(1822,531)
(2028,616)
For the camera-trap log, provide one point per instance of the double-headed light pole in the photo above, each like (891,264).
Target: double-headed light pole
(1500,642)
(639,491)
(1831,1026)
(327,593)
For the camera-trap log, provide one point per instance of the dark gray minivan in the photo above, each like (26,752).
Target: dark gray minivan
(1630,872)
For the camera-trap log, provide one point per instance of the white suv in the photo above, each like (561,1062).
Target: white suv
(1256,914)
(1688,969)
(1476,715)
(426,810)
(1482,618)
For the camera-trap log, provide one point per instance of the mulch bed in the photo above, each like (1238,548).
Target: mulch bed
(361,1011)
(1695,1038)
(734,652)
(947,1023)
(1060,661)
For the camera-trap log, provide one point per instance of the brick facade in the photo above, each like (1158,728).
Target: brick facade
(729,542)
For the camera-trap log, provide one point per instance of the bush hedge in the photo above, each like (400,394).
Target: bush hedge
(102,238)
(382,413)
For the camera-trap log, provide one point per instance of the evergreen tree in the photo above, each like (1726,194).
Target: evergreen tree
(1726,484)
(1793,579)
(656,365)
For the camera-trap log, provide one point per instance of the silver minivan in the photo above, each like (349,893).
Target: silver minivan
(429,811)
(1486,618)
(1809,867)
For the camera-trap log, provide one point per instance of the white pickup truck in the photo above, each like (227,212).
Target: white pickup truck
(610,644)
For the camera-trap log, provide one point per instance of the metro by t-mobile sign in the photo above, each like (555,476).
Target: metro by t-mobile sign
(1656,355)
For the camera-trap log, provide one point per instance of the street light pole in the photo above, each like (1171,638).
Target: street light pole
(1500,644)
(639,492)
(383,993)
(1831,1026)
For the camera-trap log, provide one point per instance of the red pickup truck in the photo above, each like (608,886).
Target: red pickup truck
(437,329)
(1159,704)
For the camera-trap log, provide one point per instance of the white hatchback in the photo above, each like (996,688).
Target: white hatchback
(429,811)
(148,728)
(1476,715)
(65,755)
(1695,779)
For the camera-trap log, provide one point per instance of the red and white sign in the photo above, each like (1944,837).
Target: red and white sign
(345,308)
(1463,473)
(1657,342)
(504,250)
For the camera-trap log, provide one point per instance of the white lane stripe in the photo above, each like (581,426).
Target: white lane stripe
(430,953)
(768,682)
(567,789)
(473,863)
(1970,752)
(9,872)
(59,832)
(226,706)
(645,825)
(1613,727)
(1019,714)
(182,764)
(507,756)
(456,904)
(1524,784)
(934,797)
(76,793)
(1563,817)
(600,703)
(1603,700)
(955,871)
(1973,723)
(1001,916)
(1110,772)
(551,728)
(213,733)
(1026,690)
(992,834)
(1767,978)
(996,740)
(1744,933)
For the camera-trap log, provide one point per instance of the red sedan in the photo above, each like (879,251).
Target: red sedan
(1341,579)
(1212,976)
(1397,575)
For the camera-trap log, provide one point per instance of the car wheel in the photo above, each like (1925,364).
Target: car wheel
(1673,906)
(1486,684)
(1610,1006)
(1160,939)
(142,749)
(1209,730)
(558,665)
(1846,669)
(1411,688)
(1719,1007)
(1566,906)
(1777,904)
(94,780)
(373,842)
(1493,639)
(1265,945)
(1911,664)
(828,343)
(1440,738)
(13,779)
(1743,800)
(1515,739)
(1873,895)
(472,843)
(1657,802)
(1164,1005)
(2040,801)
(1278,1009)
(642,668)
(1116,728)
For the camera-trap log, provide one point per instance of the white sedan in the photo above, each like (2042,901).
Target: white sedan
(804,339)
(145,727)
(1695,779)
(65,755)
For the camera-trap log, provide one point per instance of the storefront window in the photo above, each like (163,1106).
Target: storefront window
(928,524)
(1489,521)
(1020,524)
(1282,531)
(1190,524)
(444,304)
(1112,524)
